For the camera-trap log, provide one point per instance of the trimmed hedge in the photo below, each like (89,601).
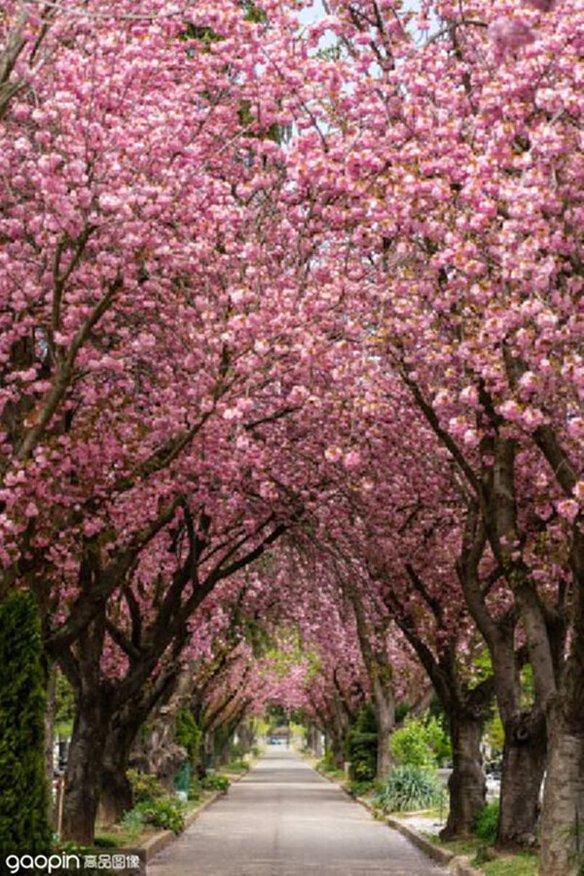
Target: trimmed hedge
(24,822)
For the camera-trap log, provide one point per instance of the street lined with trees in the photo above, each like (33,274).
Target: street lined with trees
(291,405)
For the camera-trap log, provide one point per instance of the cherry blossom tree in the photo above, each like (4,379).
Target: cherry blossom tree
(460,199)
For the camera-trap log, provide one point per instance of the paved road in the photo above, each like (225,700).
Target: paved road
(283,819)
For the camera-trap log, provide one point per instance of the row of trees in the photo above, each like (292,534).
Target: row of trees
(309,292)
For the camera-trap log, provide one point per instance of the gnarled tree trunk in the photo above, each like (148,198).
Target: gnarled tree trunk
(562,829)
(90,729)
(467,786)
(524,759)
(116,792)
(84,769)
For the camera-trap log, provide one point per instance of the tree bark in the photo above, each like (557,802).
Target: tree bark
(209,749)
(336,745)
(562,829)
(246,735)
(116,791)
(116,794)
(467,786)
(90,728)
(84,770)
(372,643)
(311,738)
(317,742)
(524,759)
(384,707)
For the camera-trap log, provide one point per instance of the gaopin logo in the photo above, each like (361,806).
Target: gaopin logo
(42,863)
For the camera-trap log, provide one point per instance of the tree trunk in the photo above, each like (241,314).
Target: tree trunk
(339,727)
(90,728)
(384,705)
(336,747)
(467,786)
(84,771)
(562,828)
(562,834)
(317,742)
(524,758)
(116,792)
(223,750)
(246,736)
(209,749)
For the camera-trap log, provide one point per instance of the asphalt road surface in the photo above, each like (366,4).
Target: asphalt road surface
(283,819)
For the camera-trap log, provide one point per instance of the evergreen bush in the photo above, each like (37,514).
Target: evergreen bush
(24,824)
(188,734)
(361,747)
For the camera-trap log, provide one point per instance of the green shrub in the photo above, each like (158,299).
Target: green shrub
(153,805)
(236,766)
(486,822)
(361,746)
(195,788)
(132,821)
(438,740)
(145,786)
(409,788)
(359,789)
(419,743)
(24,824)
(166,813)
(216,783)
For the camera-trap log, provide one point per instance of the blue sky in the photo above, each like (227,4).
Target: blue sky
(313,13)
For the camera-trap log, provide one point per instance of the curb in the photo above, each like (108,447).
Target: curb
(457,864)
(164,838)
